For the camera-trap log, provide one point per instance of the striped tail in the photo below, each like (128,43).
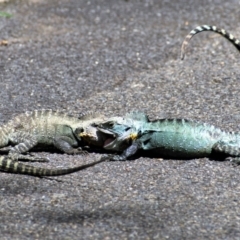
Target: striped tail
(9,165)
(228,36)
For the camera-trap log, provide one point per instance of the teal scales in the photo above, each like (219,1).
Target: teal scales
(175,138)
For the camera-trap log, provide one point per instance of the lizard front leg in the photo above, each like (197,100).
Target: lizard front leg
(130,151)
(66,144)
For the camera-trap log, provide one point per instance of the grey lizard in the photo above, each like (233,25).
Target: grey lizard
(48,128)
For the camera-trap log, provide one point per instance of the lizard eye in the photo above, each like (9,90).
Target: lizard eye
(111,124)
(79,130)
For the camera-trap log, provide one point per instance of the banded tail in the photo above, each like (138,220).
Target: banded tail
(9,165)
(228,36)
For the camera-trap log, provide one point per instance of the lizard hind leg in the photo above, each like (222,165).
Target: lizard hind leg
(229,148)
(22,157)
(234,160)
(15,153)
(23,143)
(27,158)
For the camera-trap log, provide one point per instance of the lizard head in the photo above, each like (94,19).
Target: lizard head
(121,135)
(115,134)
(86,130)
(92,136)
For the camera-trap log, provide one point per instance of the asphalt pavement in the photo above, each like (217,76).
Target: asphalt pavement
(115,57)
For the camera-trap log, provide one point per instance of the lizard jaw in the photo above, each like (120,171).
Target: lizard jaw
(108,132)
(109,140)
(118,141)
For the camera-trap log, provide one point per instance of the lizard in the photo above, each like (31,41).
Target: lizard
(174,138)
(48,128)
(12,166)
(228,36)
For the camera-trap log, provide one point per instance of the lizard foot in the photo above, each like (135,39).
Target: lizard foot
(6,149)
(112,157)
(75,151)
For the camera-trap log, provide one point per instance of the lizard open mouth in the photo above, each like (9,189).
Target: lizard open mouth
(116,141)
(110,137)
(108,141)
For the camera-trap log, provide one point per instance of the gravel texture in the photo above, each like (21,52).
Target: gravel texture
(115,57)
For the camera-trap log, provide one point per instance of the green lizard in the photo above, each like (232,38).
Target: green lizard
(175,138)
(202,28)
(48,128)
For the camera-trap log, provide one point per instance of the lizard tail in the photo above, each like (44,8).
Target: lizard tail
(228,36)
(9,165)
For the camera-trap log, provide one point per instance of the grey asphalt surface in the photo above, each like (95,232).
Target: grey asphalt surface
(115,57)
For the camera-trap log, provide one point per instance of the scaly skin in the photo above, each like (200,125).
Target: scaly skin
(47,128)
(215,29)
(176,138)
(11,166)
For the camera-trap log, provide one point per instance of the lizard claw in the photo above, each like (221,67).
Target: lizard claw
(112,157)
(106,157)
(79,150)
(39,159)
(118,158)
(235,161)
(29,158)
(6,149)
